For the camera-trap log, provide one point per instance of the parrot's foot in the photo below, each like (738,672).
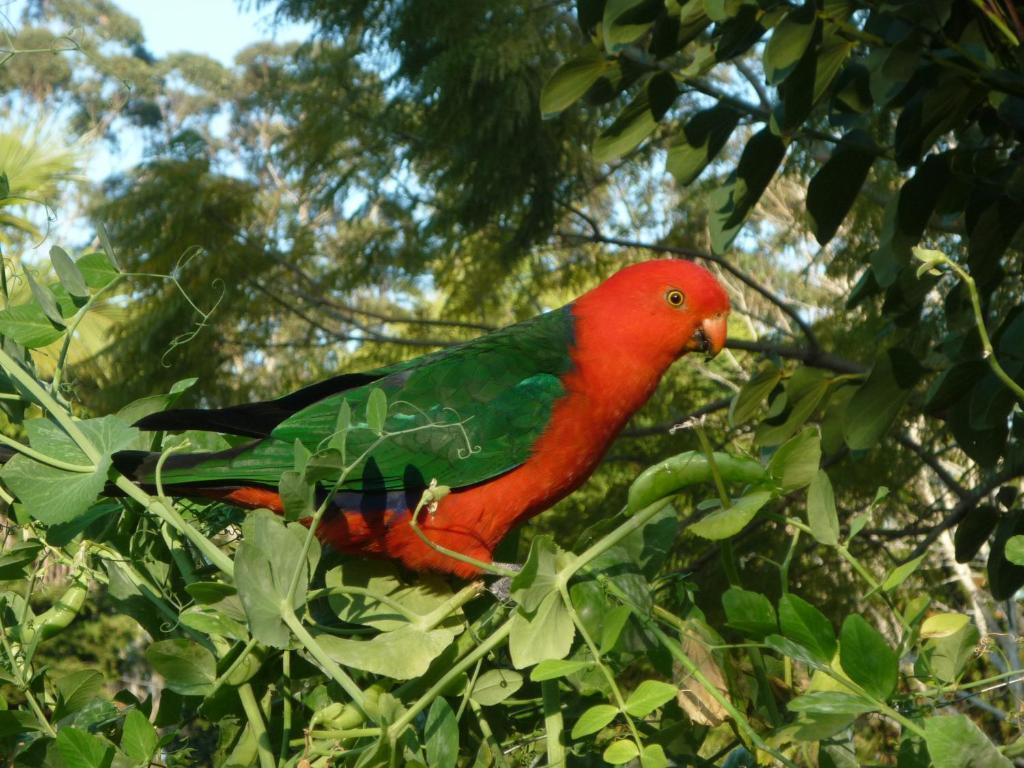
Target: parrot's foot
(502,588)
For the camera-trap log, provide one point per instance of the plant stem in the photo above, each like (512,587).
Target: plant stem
(286,707)
(497,570)
(42,458)
(554,725)
(639,520)
(259,728)
(330,666)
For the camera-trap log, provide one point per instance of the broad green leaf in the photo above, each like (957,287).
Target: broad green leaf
(210,621)
(539,575)
(748,400)
(700,141)
(265,564)
(376,410)
(654,756)
(648,696)
(620,752)
(1004,576)
(546,634)
(875,405)
(956,742)
(974,531)
(209,592)
(624,21)
(77,689)
(139,738)
(495,685)
(97,270)
(571,81)
(831,703)
(612,624)
(594,719)
(946,658)
(441,735)
(802,623)
(867,658)
(749,612)
(17,558)
(188,668)
(56,496)
(732,202)
(297,495)
(28,325)
(427,594)
(83,750)
(1015,549)
(723,523)
(795,463)
(342,425)
(901,573)
(832,191)
(45,299)
(637,120)
(821,510)
(943,625)
(402,654)
(805,390)
(552,669)
(787,44)
(68,273)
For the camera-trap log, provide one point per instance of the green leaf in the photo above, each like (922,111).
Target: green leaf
(376,410)
(974,531)
(624,21)
(441,735)
(648,696)
(594,719)
(748,400)
(539,576)
(835,186)
(612,624)
(701,140)
(723,523)
(296,495)
(634,123)
(831,703)
(401,654)
(68,273)
(571,81)
(788,43)
(53,495)
(945,658)
(97,270)
(749,612)
(76,690)
(28,325)
(876,403)
(802,623)
(956,742)
(821,510)
(795,463)
(654,756)
(732,202)
(943,625)
(1005,577)
(188,668)
(1015,549)
(552,669)
(620,752)
(83,750)
(45,299)
(264,566)
(805,390)
(209,592)
(547,634)
(15,559)
(139,738)
(108,249)
(495,685)
(901,573)
(211,621)
(342,424)
(867,658)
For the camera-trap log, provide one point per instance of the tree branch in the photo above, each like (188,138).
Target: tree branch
(815,358)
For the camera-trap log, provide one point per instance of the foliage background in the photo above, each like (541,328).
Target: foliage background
(404,180)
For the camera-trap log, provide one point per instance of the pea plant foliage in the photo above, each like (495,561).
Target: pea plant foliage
(268,651)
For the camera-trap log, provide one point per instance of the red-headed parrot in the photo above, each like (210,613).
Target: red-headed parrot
(512,421)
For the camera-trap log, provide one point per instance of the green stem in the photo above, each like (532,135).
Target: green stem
(497,638)
(170,515)
(479,564)
(233,666)
(497,753)
(255,717)
(286,707)
(58,371)
(42,458)
(338,735)
(554,725)
(329,665)
(637,521)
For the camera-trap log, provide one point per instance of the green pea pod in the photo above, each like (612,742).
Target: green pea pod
(691,468)
(58,616)
(350,716)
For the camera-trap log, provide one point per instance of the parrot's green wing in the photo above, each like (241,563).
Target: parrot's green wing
(460,416)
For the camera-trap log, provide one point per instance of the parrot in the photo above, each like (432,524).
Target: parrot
(511,422)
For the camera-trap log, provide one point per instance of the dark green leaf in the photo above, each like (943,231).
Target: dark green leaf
(867,658)
(83,750)
(974,531)
(795,463)
(626,20)
(1005,578)
(876,403)
(821,510)
(836,185)
(16,559)
(749,612)
(188,668)
(723,523)
(701,140)
(296,495)
(788,42)
(802,623)
(139,738)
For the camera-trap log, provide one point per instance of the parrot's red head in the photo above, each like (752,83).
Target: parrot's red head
(659,309)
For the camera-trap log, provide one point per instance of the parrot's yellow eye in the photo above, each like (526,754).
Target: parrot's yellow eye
(675,297)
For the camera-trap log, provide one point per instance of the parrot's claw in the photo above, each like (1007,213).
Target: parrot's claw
(502,588)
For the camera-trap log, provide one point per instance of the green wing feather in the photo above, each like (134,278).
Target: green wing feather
(462,416)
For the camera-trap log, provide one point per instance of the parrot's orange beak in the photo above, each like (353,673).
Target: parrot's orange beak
(709,338)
